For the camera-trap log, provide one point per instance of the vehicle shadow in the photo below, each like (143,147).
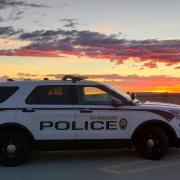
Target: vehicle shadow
(90,155)
(82,155)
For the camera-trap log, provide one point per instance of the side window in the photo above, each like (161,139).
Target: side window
(48,95)
(6,92)
(96,96)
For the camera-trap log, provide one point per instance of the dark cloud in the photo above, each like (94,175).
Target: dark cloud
(42,35)
(17,9)
(27,75)
(69,23)
(13,15)
(9,31)
(11,3)
(98,45)
(150,64)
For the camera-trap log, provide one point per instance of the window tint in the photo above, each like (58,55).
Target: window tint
(96,96)
(6,92)
(48,95)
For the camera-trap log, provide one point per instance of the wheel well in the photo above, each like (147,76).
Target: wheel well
(158,123)
(19,128)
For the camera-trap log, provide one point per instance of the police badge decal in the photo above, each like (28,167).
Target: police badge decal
(123,124)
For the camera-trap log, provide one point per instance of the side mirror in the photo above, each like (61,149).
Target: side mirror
(133,96)
(116,102)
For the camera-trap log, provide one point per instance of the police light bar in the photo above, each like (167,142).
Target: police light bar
(10,80)
(74,78)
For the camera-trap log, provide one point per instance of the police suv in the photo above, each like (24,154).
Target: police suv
(74,113)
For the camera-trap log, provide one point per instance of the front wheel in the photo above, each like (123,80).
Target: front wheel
(15,148)
(152,143)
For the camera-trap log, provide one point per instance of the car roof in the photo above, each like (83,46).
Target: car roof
(49,82)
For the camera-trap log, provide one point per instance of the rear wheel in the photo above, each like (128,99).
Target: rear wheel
(152,143)
(15,148)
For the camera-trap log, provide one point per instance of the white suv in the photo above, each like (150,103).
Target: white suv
(73,113)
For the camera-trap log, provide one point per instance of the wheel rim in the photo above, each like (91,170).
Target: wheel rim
(152,144)
(11,148)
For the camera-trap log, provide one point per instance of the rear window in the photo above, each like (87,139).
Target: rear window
(6,92)
(51,94)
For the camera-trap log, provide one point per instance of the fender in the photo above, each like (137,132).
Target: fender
(168,129)
(19,127)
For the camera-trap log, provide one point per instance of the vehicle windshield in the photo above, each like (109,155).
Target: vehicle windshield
(128,97)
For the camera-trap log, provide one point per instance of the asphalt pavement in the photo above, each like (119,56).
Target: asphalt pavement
(94,165)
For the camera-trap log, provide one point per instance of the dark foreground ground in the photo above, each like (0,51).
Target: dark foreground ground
(94,165)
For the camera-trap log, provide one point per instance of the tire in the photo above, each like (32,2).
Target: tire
(15,148)
(152,143)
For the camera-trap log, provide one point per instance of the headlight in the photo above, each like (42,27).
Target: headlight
(176,113)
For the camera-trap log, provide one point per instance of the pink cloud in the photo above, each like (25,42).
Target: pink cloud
(53,43)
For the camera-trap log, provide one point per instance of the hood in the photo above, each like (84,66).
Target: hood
(159,105)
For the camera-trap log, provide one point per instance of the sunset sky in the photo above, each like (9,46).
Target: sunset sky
(133,45)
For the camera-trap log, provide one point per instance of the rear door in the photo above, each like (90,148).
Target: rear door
(48,112)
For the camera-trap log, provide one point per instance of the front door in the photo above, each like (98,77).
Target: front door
(97,118)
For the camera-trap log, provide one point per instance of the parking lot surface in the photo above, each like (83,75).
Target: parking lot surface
(96,164)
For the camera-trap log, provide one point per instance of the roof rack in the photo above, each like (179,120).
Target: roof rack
(74,78)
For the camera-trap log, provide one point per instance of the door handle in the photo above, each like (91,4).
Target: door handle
(86,111)
(28,110)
